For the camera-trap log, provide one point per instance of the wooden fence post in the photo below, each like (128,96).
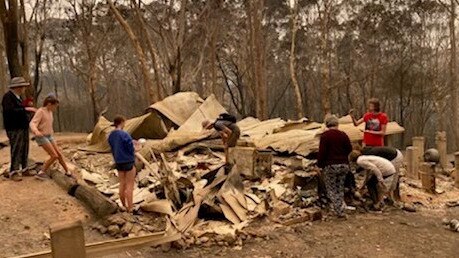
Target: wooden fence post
(67,240)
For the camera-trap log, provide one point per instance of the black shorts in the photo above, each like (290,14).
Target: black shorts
(124,166)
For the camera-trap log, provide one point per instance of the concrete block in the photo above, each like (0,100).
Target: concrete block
(250,162)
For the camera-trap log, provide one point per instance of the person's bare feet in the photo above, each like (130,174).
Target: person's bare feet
(69,174)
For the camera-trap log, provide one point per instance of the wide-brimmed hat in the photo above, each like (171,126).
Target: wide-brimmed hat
(17,82)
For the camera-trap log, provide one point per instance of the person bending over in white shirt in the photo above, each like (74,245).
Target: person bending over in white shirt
(379,176)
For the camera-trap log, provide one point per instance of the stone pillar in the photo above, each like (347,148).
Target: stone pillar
(419,142)
(440,140)
(412,166)
(456,156)
(427,175)
(67,240)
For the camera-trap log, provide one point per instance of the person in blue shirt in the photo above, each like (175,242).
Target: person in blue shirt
(123,151)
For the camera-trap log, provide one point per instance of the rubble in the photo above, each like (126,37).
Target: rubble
(452,204)
(182,177)
(124,224)
(197,195)
(116,220)
(113,230)
(409,208)
(452,225)
(126,229)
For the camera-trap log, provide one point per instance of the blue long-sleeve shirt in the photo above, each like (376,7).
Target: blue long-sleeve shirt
(122,146)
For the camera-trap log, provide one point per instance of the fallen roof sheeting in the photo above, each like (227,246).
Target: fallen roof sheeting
(256,129)
(178,107)
(187,110)
(345,120)
(154,125)
(209,110)
(300,137)
(302,124)
(191,131)
(301,142)
(149,126)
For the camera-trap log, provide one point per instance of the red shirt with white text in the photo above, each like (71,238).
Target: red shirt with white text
(374,122)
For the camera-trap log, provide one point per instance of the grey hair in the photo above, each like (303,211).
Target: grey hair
(331,121)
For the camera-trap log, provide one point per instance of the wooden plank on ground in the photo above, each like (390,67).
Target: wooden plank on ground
(229,213)
(235,206)
(119,245)
(149,166)
(124,244)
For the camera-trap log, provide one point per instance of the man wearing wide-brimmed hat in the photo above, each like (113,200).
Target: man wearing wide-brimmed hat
(16,122)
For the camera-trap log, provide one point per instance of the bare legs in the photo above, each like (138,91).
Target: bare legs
(60,157)
(225,145)
(122,189)
(126,189)
(130,179)
(54,154)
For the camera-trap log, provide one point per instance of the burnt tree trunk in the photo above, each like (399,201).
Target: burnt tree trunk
(152,96)
(153,52)
(3,79)
(326,88)
(9,18)
(453,71)
(24,45)
(257,55)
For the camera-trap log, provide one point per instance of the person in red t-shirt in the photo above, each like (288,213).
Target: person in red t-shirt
(375,124)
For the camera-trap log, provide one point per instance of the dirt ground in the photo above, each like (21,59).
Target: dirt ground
(27,210)
(392,234)
(29,207)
